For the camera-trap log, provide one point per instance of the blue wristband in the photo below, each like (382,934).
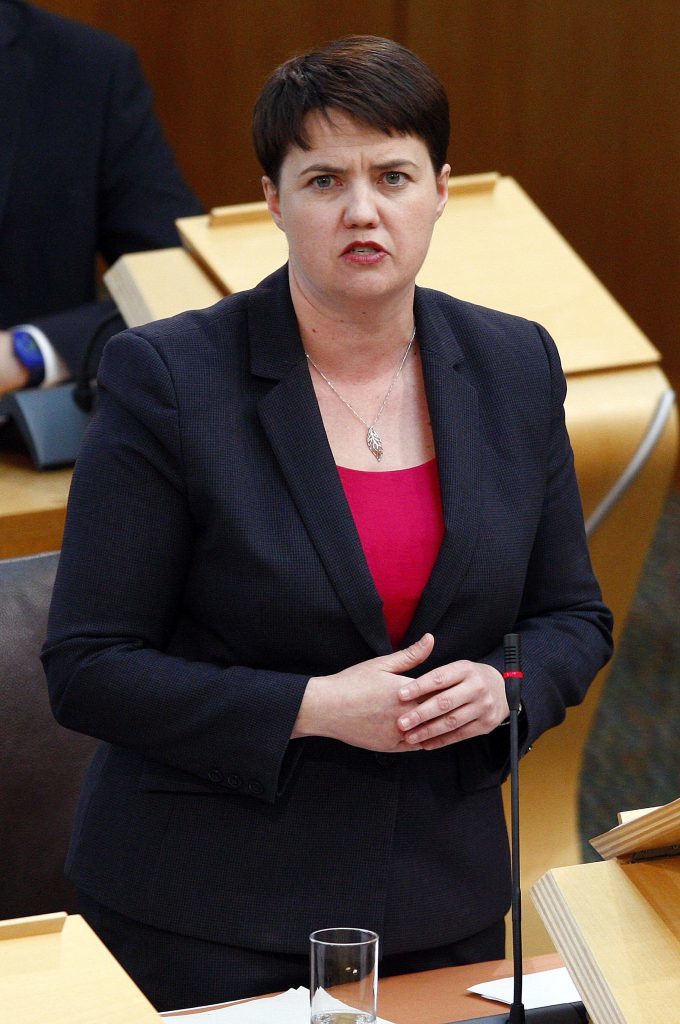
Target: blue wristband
(27,351)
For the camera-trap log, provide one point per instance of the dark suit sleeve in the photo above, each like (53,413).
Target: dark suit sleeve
(126,555)
(140,194)
(565,628)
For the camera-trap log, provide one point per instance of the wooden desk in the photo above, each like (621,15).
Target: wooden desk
(437,997)
(32,506)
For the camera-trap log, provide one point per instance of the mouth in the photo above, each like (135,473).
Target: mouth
(362,248)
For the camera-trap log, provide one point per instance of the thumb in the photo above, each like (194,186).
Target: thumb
(409,657)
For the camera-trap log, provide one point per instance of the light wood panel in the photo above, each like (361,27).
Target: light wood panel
(54,968)
(618,929)
(32,506)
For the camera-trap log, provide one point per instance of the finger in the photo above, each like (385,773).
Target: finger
(452,721)
(471,727)
(446,729)
(446,739)
(438,679)
(409,657)
(446,704)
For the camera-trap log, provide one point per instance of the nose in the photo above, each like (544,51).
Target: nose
(361,207)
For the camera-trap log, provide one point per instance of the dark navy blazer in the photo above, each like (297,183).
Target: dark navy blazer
(84,170)
(211,565)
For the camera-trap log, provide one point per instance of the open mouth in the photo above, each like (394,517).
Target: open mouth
(363,248)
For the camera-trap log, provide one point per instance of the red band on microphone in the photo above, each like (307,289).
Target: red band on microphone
(513,675)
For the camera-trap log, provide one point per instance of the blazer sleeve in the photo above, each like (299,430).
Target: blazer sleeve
(140,193)
(564,626)
(119,589)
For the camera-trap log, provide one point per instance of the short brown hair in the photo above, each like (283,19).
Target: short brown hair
(374,80)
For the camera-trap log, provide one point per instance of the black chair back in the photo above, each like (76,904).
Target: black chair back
(41,763)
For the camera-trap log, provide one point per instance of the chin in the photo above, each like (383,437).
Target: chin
(375,286)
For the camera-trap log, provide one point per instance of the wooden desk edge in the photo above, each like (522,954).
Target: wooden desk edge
(434,997)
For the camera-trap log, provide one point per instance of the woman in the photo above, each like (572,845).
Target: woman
(300,526)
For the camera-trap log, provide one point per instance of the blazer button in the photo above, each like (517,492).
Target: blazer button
(215,775)
(234,781)
(255,787)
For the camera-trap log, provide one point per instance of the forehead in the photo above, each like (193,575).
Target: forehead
(335,136)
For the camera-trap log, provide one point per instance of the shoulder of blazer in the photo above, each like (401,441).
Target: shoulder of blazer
(267,302)
(258,325)
(480,337)
(470,315)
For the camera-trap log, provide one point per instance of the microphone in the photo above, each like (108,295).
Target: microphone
(562,1013)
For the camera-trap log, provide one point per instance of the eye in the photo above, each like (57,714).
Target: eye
(394,178)
(323,181)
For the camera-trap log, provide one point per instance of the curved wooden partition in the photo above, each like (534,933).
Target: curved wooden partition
(609,415)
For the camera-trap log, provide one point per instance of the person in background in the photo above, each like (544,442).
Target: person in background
(84,172)
(300,526)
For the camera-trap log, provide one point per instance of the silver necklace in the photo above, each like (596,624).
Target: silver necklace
(373,439)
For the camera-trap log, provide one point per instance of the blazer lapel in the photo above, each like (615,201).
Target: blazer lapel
(291,419)
(15,71)
(453,405)
(290,416)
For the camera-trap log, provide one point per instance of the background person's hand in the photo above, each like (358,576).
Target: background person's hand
(13,374)
(361,704)
(453,703)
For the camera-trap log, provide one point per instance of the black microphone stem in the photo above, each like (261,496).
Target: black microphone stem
(563,1013)
(513,677)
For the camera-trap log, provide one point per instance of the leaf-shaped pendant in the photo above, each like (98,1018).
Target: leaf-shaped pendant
(374,443)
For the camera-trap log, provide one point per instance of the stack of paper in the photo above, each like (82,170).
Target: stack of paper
(291,1007)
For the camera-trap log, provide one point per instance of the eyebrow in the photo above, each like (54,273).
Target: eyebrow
(320,169)
(387,165)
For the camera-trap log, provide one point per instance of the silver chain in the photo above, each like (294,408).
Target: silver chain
(373,439)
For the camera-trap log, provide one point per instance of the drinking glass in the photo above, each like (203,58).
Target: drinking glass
(344,976)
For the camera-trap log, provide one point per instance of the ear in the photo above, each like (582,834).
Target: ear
(442,181)
(271,195)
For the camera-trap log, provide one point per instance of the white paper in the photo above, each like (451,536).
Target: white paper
(285,1008)
(544,988)
(291,1007)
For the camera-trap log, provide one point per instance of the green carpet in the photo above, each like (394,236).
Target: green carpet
(632,757)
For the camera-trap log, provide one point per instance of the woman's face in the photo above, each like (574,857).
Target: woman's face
(358,209)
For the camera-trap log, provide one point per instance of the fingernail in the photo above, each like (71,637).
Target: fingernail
(405,722)
(405,692)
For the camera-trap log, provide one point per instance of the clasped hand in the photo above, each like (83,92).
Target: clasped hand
(377,706)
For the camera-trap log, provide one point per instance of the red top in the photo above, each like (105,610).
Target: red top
(398,515)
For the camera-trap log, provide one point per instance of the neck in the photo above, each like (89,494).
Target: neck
(356,338)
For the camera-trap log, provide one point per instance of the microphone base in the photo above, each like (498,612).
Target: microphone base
(562,1013)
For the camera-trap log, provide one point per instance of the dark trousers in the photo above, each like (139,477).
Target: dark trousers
(178,971)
